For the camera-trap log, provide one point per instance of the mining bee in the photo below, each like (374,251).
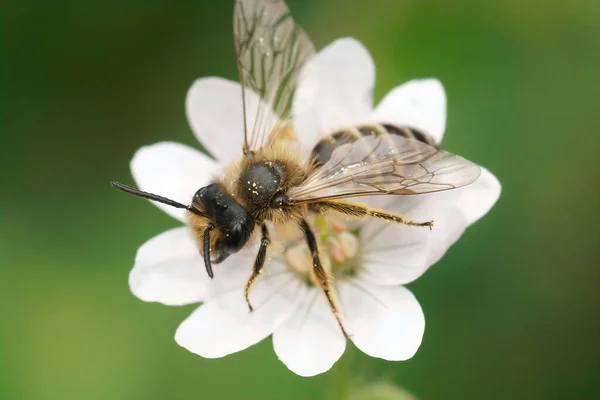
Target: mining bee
(272,182)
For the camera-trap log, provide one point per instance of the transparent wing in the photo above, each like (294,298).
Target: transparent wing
(270,50)
(385,165)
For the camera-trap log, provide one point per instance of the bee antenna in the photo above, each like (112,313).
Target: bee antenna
(206,252)
(154,197)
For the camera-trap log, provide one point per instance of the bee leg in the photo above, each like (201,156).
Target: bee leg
(362,211)
(397,218)
(321,274)
(259,262)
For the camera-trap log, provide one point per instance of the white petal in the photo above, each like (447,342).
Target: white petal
(170,270)
(310,342)
(398,254)
(448,229)
(478,198)
(420,104)
(384,321)
(224,325)
(172,170)
(214,110)
(335,89)
(393,253)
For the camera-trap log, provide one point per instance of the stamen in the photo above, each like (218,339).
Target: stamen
(337,226)
(338,249)
(298,257)
(349,244)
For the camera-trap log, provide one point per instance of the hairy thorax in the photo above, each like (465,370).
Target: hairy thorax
(258,178)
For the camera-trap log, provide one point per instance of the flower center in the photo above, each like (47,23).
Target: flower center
(339,248)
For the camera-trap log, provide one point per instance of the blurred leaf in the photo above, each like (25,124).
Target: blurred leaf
(381,391)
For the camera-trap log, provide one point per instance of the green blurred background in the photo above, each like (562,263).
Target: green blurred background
(513,310)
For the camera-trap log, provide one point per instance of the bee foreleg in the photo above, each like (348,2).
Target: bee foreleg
(259,262)
(321,274)
(363,211)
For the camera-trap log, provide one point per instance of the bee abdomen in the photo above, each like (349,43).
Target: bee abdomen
(321,153)
(410,133)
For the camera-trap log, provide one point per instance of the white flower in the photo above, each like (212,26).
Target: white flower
(369,262)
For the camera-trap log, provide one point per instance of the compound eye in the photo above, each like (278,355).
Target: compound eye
(200,193)
(236,238)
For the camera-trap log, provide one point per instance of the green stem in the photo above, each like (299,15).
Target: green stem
(340,379)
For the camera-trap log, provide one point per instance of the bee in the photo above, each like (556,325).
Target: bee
(272,182)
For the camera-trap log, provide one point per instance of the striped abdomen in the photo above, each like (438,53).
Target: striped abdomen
(321,153)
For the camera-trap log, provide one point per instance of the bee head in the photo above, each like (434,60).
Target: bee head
(232,224)
(219,212)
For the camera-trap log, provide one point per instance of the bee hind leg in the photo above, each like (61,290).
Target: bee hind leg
(363,211)
(259,262)
(321,274)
